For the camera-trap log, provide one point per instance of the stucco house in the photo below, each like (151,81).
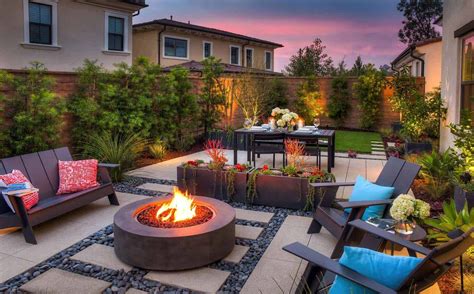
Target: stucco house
(457,75)
(423,59)
(62,33)
(169,42)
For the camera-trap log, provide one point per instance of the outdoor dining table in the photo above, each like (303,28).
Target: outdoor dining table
(329,135)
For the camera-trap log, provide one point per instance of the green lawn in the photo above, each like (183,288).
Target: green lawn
(357,141)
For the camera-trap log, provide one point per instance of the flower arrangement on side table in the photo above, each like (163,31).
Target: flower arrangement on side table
(284,118)
(406,210)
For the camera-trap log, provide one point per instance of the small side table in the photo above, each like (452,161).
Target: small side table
(419,234)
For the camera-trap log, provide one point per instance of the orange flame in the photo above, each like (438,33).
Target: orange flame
(180,208)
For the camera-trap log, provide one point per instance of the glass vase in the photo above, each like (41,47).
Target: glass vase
(405,227)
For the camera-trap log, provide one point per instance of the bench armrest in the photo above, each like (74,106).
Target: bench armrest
(362,225)
(108,165)
(332,184)
(356,204)
(333,266)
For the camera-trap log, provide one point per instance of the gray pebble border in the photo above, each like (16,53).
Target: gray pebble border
(121,281)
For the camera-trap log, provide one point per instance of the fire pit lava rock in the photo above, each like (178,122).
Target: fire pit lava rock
(156,245)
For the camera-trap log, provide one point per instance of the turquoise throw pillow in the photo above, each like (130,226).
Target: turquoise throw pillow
(387,270)
(365,191)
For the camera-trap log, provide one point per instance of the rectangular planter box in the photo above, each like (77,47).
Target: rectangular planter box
(417,147)
(461,196)
(213,184)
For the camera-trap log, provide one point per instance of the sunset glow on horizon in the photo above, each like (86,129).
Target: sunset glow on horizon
(348,28)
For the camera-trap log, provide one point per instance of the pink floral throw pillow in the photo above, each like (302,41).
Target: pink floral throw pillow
(16,177)
(75,176)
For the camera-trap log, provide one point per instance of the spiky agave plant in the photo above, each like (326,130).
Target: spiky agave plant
(120,149)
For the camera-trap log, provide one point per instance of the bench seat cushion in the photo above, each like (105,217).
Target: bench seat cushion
(54,201)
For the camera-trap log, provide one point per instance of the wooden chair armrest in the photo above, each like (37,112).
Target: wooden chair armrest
(108,165)
(362,225)
(333,266)
(368,203)
(332,184)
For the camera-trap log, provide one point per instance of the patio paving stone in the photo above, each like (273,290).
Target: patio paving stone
(157,187)
(236,255)
(251,215)
(11,266)
(59,281)
(205,279)
(101,255)
(247,232)
(286,235)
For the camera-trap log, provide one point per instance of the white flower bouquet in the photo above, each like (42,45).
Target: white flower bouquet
(284,117)
(406,208)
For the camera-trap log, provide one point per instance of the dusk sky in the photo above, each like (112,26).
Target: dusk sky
(347,27)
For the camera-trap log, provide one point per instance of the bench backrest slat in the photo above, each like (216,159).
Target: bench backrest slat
(63,154)
(12,163)
(50,165)
(37,175)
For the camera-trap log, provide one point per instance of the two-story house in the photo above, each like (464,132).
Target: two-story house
(62,33)
(169,42)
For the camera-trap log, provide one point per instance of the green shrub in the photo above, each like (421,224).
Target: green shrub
(368,90)
(464,143)
(176,110)
(158,149)
(120,149)
(277,95)
(338,104)
(120,101)
(308,102)
(33,113)
(437,171)
(213,94)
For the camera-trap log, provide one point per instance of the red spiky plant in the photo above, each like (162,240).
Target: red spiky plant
(216,152)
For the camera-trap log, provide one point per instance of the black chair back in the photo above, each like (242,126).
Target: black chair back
(439,260)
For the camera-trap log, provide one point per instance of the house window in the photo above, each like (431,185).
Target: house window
(467,82)
(268,60)
(176,47)
(207,49)
(235,55)
(417,69)
(40,23)
(116,36)
(249,57)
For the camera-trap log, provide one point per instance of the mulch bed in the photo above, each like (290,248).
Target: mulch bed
(148,160)
(148,217)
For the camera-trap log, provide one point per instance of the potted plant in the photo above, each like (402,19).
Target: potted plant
(214,179)
(284,118)
(406,210)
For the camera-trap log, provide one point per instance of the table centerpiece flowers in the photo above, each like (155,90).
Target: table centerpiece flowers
(285,118)
(406,210)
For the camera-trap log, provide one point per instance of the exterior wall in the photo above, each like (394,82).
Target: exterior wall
(81,35)
(432,58)
(144,44)
(456,13)
(431,54)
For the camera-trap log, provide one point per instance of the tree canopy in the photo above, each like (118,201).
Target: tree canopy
(419,17)
(311,60)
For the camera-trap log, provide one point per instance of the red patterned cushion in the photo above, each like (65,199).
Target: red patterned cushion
(16,177)
(75,176)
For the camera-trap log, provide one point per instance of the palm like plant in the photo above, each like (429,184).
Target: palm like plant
(449,221)
(437,171)
(123,150)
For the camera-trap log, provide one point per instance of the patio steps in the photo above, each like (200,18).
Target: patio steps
(378,148)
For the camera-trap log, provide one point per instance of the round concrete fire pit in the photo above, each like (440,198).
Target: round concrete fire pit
(172,249)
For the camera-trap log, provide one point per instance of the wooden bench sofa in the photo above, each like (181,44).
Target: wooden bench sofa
(41,168)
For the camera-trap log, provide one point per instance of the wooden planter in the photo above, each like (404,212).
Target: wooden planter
(417,147)
(281,191)
(461,197)
(213,184)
